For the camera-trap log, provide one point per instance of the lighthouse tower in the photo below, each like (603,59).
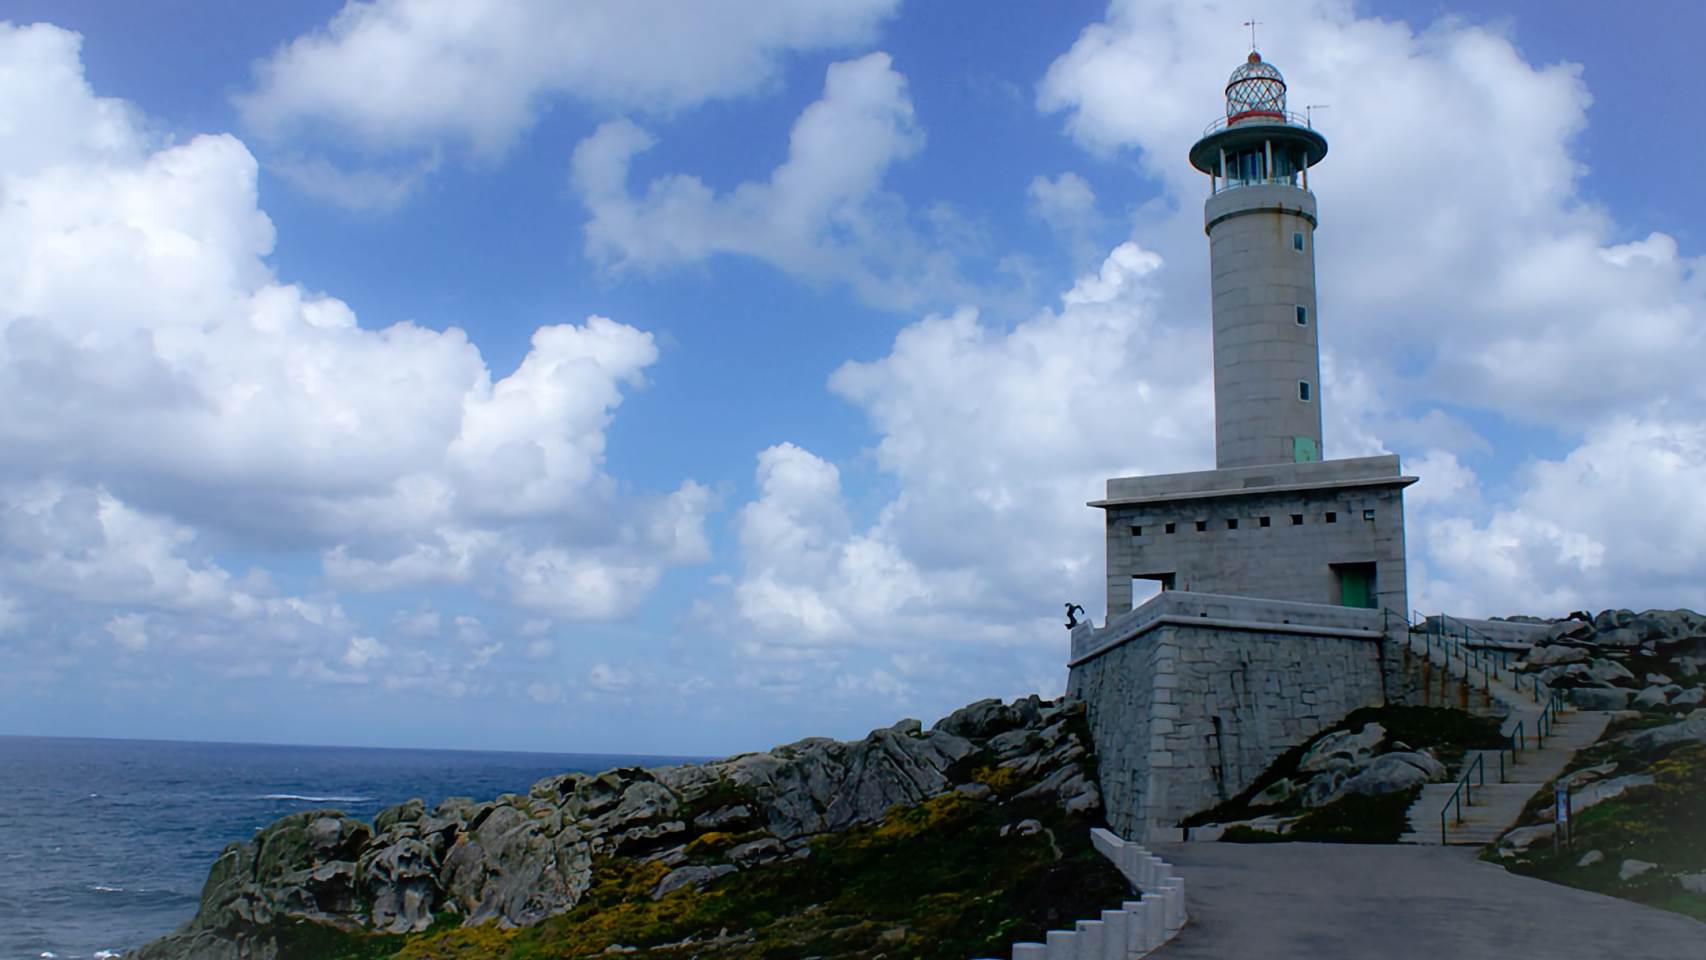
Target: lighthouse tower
(1252,605)
(1275,519)
(1260,219)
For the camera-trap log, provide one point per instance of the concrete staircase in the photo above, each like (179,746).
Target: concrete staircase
(1498,792)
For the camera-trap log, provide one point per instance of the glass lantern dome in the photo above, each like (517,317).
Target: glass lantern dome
(1255,89)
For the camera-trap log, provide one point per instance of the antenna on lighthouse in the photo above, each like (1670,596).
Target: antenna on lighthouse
(1252,24)
(1309,113)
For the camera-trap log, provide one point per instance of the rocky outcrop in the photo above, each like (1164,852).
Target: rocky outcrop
(517,860)
(1620,659)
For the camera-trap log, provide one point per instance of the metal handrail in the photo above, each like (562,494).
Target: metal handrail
(1465,793)
(1518,738)
(1290,119)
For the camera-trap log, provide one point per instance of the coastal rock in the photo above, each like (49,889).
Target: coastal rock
(1599,698)
(1609,673)
(1634,868)
(682,876)
(1554,656)
(1689,697)
(762,850)
(1519,840)
(981,720)
(1274,794)
(1391,773)
(1649,699)
(509,866)
(520,858)
(1693,882)
(400,876)
(1606,789)
(1343,749)
(724,818)
(1647,741)
(1590,858)
(819,785)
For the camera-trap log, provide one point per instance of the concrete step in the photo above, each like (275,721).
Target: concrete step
(1494,806)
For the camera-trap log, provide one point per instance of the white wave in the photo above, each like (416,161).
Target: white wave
(106,954)
(106,889)
(308,799)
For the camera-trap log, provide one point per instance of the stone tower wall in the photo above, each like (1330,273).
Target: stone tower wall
(1185,716)
(1259,279)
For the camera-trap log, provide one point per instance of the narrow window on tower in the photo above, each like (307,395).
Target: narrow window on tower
(1170,528)
(1297,241)
(1303,316)
(1303,390)
(1137,531)
(1202,525)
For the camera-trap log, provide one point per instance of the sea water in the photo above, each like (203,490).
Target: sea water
(105,844)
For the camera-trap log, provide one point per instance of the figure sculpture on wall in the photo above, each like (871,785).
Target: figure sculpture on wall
(1073,611)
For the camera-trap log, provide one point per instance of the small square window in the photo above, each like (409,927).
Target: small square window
(1137,531)
(1170,527)
(1262,521)
(1297,241)
(1303,390)
(1368,514)
(1302,316)
(1332,518)
(1202,525)
(1232,524)
(1297,519)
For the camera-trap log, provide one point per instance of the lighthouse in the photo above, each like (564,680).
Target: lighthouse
(1252,605)
(1260,218)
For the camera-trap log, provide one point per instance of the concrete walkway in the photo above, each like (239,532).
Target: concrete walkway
(1497,805)
(1313,901)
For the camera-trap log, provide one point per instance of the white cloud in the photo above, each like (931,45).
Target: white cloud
(822,214)
(129,631)
(996,440)
(364,650)
(1068,205)
(545,692)
(161,389)
(419,75)
(1620,521)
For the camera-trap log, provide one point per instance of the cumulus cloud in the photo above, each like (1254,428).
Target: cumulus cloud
(1618,522)
(1068,205)
(415,76)
(996,440)
(1469,271)
(822,214)
(164,395)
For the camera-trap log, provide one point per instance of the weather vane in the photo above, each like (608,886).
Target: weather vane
(1252,24)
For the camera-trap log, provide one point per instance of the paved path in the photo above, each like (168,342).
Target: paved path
(1314,901)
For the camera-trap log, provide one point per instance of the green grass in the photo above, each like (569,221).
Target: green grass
(1662,823)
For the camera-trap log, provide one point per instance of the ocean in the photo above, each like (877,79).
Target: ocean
(104,844)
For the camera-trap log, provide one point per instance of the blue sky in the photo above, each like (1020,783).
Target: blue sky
(557,376)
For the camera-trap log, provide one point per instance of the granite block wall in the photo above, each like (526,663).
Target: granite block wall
(1184,717)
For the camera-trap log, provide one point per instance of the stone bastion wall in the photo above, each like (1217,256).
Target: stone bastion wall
(1191,695)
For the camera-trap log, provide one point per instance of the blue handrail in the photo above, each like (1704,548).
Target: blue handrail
(1464,793)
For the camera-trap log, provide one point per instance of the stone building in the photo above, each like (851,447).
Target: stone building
(1273,585)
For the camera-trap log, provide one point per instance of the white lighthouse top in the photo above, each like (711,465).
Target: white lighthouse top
(1255,89)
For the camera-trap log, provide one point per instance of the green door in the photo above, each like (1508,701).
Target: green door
(1356,585)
